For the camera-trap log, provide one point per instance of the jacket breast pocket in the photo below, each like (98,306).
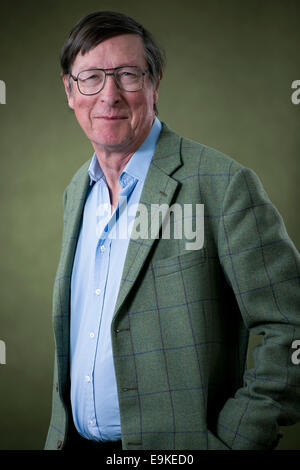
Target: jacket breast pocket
(177,263)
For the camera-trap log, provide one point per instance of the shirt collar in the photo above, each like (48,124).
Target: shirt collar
(95,171)
(137,166)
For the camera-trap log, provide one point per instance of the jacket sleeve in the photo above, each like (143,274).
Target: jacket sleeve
(262,266)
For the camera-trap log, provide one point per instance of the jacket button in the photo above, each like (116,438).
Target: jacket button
(59,444)
(56,387)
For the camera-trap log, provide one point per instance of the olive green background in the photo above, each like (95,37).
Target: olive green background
(227,84)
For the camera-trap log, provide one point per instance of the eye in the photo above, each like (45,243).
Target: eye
(91,77)
(125,73)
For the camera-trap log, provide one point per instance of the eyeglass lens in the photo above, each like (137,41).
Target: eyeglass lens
(127,78)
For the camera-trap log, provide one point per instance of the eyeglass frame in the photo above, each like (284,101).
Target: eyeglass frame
(113,75)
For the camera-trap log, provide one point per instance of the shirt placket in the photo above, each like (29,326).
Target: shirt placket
(100,275)
(101,267)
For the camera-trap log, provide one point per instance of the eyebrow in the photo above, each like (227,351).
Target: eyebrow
(109,68)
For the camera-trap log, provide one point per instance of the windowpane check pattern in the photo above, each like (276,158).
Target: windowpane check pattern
(182,319)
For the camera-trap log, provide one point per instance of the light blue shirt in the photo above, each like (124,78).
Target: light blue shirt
(96,276)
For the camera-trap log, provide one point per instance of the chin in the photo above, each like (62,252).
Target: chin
(110,134)
(112,142)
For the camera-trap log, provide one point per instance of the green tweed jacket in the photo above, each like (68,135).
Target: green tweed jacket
(181,323)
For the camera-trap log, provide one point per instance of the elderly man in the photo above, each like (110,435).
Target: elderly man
(152,332)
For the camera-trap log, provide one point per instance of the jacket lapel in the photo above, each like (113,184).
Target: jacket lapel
(77,194)
(73,217)
(159,188)
(61,296)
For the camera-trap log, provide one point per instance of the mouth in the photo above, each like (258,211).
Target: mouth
(111,118)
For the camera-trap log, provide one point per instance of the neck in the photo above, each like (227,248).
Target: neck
(112,165)
(113,160)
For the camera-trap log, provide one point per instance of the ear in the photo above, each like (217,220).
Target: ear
(68,89)
(156,90)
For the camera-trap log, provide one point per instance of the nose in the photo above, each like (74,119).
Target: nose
(110,93)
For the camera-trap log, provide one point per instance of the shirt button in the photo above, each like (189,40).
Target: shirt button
(92,335)
(92,422)
(87,378)
(98,291)
(102,248)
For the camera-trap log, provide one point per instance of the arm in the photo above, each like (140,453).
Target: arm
(262,266)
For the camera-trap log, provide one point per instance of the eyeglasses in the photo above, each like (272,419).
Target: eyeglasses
(92,81)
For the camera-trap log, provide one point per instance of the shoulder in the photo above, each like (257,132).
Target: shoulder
(216,165)
(79,179)
(80,175)
(209,171)
(196,156)
(209,161)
